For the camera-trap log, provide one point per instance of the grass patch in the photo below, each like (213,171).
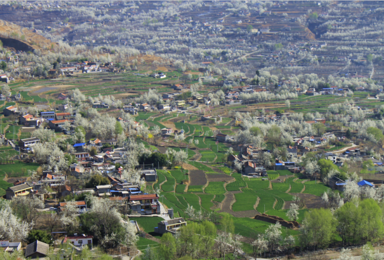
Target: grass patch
(239,183)
(201,166)
(18,169)
(143,243)
(318,189)
(215,188)
(207,156)
(147,223)
(179,176)
(206,201)
(295,187)
(245,200)
(169,185)
(219,198)
(195,188)
(192,199)
(273,176)
(180,188)
(160,179)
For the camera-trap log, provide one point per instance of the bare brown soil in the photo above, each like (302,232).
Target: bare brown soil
(310,201)
(162,69)
(188,166)
(32,39)
(197,177)
(193,73)
(219,177)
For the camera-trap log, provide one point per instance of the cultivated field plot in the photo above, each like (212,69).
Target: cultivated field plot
(219,177)
(197,177)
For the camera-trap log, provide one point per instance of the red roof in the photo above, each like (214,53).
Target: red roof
(28,116)
(143,197)
(63,114)
(78,203)
(59,121)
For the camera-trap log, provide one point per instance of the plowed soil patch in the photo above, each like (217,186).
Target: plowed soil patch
(197,177)
(311,201)
(219,177)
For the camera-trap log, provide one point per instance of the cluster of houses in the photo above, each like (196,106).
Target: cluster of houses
(38,249)
(83,67)
(333,90)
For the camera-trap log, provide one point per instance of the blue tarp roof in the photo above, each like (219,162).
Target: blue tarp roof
(364,182)
(341,184)
(327,88)
(50,112)
(79,144)
(278,164)
(50,119)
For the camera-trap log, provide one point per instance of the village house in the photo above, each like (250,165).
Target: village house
(11,110)
(4,78)
(23,189)
(79,240)
(64,115)
(10,247)
(63,107)
(36,249)
(16,97)
(80,205)
(221,137)
(82,156)
(62,96)
(50,115)
(63,190)
(177,87)
(29,120)
(144,204)
(28,142)
(144,106)
(57,125)
(100,105)
(166,131)
(164,107)
(103,190)
(130,109)
(171,225)
(149,175)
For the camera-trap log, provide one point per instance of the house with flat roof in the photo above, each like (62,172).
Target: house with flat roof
(149,175)
(29,120)
(81,205)
(57,125)
(28,142)
(79,240)
(10,247)
(144,204)
(18,190)
(171,225)
(103,190)
(50,115)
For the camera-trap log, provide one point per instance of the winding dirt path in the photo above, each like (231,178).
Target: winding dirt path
(274,204)
(257,203)
(289,189)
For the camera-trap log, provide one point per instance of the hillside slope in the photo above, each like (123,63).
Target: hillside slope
(20,38)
